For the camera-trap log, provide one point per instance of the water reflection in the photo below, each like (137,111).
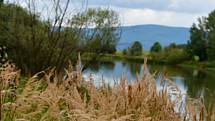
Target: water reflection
(196,83)
(96,66)
(133,68)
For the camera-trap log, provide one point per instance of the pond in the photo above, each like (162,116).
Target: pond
(194,83)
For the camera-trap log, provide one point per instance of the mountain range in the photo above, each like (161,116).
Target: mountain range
(147,35)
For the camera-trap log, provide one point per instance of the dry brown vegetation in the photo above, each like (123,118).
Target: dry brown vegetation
(47,97)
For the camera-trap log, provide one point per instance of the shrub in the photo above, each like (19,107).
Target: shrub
(172,56)
(176,56)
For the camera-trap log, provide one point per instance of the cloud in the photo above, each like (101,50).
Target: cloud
(149,16)
(134,12)
(192,6)
(185,6)
(163,12)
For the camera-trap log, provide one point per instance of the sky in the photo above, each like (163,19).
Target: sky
(162,12)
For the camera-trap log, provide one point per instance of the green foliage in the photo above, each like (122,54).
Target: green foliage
(156,47)
(171,55)
(198,43)
(171,46)
(202,43)
(104,36)
(124,52)
(176,56)
(3,55)
(136,49)
(196,58)
(182,46)
(84,93)
(34,44)
(211,35)
(24,36)
(1,2)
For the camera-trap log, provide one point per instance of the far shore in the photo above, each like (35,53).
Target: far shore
(205,65)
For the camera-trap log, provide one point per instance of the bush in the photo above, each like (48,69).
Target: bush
(172,56)
(176,56)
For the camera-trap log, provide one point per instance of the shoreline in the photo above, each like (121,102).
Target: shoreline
(206,65)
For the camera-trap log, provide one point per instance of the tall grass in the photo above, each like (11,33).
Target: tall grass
(48,97)
(9,80)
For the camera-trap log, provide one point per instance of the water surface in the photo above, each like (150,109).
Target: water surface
(194,83)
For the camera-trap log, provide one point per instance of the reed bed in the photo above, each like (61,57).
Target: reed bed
(48,97)
(9,80)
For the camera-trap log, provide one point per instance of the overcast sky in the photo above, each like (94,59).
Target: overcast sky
(163,12)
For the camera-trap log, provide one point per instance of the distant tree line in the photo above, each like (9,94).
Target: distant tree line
(200,47)
(171,54)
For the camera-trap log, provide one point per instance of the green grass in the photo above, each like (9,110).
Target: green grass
(153,59)
(206,65)
(23,81)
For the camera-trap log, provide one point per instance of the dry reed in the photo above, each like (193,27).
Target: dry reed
(48,98)
(9,80)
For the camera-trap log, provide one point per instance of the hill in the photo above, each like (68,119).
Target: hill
(148,34)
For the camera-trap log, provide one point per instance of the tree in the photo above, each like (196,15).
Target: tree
(99,31)
(156,47)
(1,2)
(124,52)
(197,46)
(136,49)
(99,28)
(35,44)
(31,43)
(172,45)
(210,25)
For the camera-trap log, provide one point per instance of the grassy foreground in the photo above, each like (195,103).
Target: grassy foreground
(48,97)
